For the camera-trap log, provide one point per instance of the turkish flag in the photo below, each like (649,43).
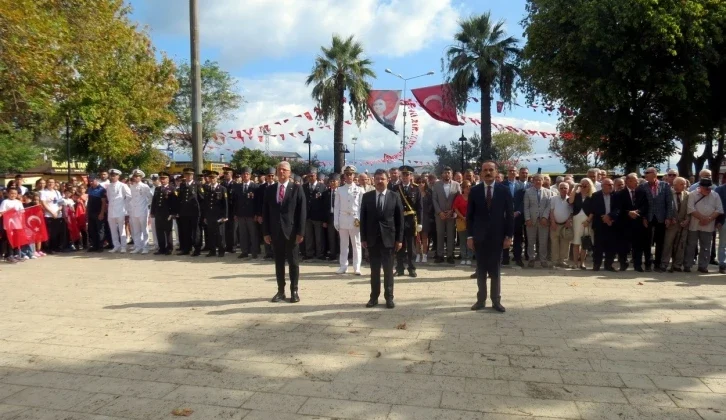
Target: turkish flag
(74,233)
(438,103)
(35,224)
(13,223)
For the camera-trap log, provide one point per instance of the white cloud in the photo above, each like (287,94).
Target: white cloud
(256,30)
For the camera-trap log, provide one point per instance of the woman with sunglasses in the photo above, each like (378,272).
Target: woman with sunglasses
(580,201)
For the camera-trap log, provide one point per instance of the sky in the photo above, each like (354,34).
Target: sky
(269,46)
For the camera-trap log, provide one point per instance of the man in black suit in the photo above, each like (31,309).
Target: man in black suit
(490,225)
(215,205)
(633,206)
(316,208)
(188,214)
(244,196)
(381,218)
(283,223)
(269,179)
(163,209)
(605,214)
(329,225)
(230,227)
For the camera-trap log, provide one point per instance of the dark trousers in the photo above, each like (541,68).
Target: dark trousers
(215,236)
(95,231)
(286,251)
(381,257)
(404,256)
(333,240)
(655,232)
(230,227)
(605,244)
(488,258)
(189,236)
(314,239)
(56,234)
(164,228)
(249,236)
(520,239)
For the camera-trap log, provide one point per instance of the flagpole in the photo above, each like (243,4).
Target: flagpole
(403,136)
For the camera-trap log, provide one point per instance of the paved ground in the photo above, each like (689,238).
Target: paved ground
(130,337)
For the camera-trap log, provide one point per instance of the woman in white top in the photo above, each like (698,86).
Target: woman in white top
(580,201)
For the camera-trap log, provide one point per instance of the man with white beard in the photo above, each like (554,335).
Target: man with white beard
(138,209)
(117,193)
(347,220)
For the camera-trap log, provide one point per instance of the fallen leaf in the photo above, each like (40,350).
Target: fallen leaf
(378,354)
(182,412)
(573,284)
(640,283)
(401,326)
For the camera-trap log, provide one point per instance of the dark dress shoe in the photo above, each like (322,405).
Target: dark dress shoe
(498,306)
(168,252)
(473,276)
(240,256)
(438,260)
(182,253)
(623,267)
(159,252)
(478,306)
(221,254)
(595,268)
(639,269)
(412,273)
(520,263)
(676,270)
(390,304)
(450,261)
(703,270)
(371,303)
(196,253)
(686,270)
(294,297)
(280,296)
(611,269)
(212,254)
(657,269)
(648,269)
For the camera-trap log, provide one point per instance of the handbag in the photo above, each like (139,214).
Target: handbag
(586,240)
(567,234)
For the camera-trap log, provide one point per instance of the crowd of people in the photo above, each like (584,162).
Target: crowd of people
(651,224)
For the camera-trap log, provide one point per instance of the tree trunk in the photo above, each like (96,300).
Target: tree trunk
(685,163)
(714,161)
(338,148)
(486,121)
(707,152)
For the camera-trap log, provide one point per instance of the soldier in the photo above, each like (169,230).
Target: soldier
(230,227)
(203,181)
(214,201)
(244,197)
(269,180)
(347,220)
(188,212)
(411,200)
(163,208)
(316,210)
(329,225)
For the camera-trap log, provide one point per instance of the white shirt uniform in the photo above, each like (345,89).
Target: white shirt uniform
(117,194)
(347,206)
(138,204)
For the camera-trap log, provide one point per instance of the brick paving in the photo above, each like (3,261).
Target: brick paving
(121,336)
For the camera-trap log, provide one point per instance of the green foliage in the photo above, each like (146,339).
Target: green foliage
(340,68)
(301,167)
(510,147)
(507,148)
(483,59)
(219,100)
(254,158)
(18,152)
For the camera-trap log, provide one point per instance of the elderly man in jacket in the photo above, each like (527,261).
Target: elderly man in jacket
(536,219)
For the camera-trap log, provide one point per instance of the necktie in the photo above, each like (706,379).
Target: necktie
(281,194)
(678,202)
(632,196)
(380,202)
(244,189)
(489,195)
(538,195)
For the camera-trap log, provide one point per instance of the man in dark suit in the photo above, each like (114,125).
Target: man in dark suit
(283,223)
(382,234)
(316,207)
(230,227)
(244,196)
(490,225)
(333,239)
(659,216)
(411,199)
(633,210)
(163,207)
(605,214)
(269,179)
(215,204)
(188,213)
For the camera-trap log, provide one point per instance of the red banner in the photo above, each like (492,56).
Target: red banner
(74,233)
(438,103)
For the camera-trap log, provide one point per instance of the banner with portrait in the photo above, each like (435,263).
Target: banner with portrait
(384,106)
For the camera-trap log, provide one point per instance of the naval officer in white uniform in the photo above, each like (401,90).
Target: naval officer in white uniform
(138,208)
(347,219)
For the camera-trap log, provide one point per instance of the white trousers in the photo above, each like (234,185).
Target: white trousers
(153,232)
(140,231)
(118,231)
(350,236)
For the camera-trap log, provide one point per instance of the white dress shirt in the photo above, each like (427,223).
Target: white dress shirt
(561,209)
(447,188)
(140,200)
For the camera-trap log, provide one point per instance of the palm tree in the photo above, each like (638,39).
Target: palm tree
(483,59)
(338,69)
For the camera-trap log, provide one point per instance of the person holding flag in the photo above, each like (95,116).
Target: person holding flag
(12,235)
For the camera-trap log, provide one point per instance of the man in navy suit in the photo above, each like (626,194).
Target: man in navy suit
(515,187)
(283,227)
(490,225)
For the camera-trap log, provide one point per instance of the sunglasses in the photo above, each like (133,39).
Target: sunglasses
(672,175)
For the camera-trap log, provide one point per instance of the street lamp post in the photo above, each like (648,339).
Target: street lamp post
(462,139)
(345,151)
(355,140)
(403,136)
(310,159)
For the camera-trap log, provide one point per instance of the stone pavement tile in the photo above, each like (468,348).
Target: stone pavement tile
(636,380)
(320,389)
(550,363)
(591,378)
(275,402)
(463,369)
(566,392)
(53,414)
(209,395)
(694,348)
(698,400)
(648,397)
(679,383)
(715,384)
(137,408)
(509,405)
(231,380)
(527,374)
(389,395)
(402,380)
(202,411)
(571,352)
(8,411)
(60,399)
(602,411)
(8,390)
(621,366)
(95,402)
(345,409)
(407,412)
(711,414)
(395,365)
(702,371)
(487,386)
(535,341)
(129,387)
(267,415)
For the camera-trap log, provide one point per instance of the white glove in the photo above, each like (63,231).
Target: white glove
(419,228)
(337,227)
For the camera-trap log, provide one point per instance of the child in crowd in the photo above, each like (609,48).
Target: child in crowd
(12,255)
(80,212)
(33,199)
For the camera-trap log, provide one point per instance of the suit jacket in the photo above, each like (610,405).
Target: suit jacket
(441,202)
(329,202)
(314,198)
(660,206)
(627,204)
(244,203)
(381,228)
(513,186)
(533,209)
(215,203)
(490,223)
(597,205)
(682,214)
(188,200)
(414,199)
(260,197)
(287,218)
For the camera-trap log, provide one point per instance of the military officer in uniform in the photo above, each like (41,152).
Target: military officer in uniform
(316,211)
(204,181)
(347,219)
(188,214)
(230,227)
(411,200)
(214,202)
(244,197)
(163,209)
(269,180)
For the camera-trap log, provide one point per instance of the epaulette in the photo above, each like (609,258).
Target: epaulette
(414,184)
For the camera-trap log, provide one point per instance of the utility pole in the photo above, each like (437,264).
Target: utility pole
(196,75)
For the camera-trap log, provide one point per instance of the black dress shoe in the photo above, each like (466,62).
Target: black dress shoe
(280,296)
(294,297)
(595,268)
(648,269)
(703,270)
(639,269)
(412,273)
(196,253)
(438,260)
(182,253)
(520,263)
(657,269)
(686,270)
(221,254)
(623,267)
(212,254)
(371,303)
(390,304)
(240,256)
(473,276)
(498,306)
(450,261)
(478,306)
(676,270)
(611,269)
(168,252)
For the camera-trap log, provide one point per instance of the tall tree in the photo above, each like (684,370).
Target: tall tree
(508,150)
(254,158)
(18,152)
(484,59)
(340,68)
(219,99)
